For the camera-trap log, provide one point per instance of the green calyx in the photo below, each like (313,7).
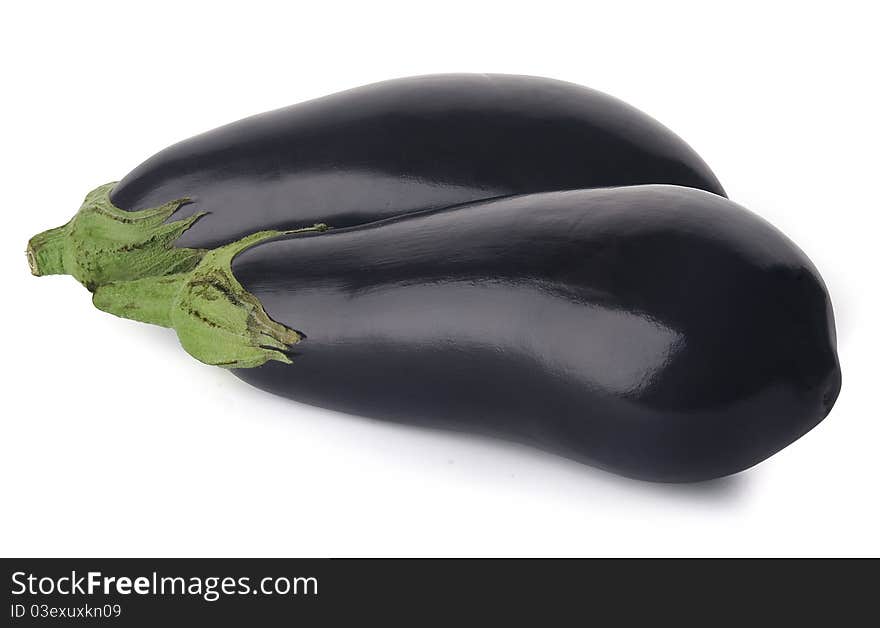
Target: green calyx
(217,321)
(129,261)
(103,243)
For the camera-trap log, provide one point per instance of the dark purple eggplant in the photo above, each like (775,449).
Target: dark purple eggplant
(366,154)
(659,332)
(408,145)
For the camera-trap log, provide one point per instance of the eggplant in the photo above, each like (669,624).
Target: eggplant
(366,154)
(659,332)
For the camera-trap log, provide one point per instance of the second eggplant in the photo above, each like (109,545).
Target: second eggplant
(660,332)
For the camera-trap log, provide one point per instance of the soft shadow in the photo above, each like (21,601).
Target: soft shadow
(726,490)
(161,336)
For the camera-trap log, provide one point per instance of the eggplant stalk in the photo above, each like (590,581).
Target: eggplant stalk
(103,244)
(217,321)
(128,260)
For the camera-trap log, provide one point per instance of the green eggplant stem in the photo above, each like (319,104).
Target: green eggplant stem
(217,321)
(103,243)
(129,262)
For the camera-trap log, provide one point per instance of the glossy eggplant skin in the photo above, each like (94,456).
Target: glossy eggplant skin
(659,332)
(404,146)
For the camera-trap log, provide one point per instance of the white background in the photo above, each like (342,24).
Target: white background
(115,442)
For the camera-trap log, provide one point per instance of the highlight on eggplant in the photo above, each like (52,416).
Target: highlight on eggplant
(366,154)
(660,332)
